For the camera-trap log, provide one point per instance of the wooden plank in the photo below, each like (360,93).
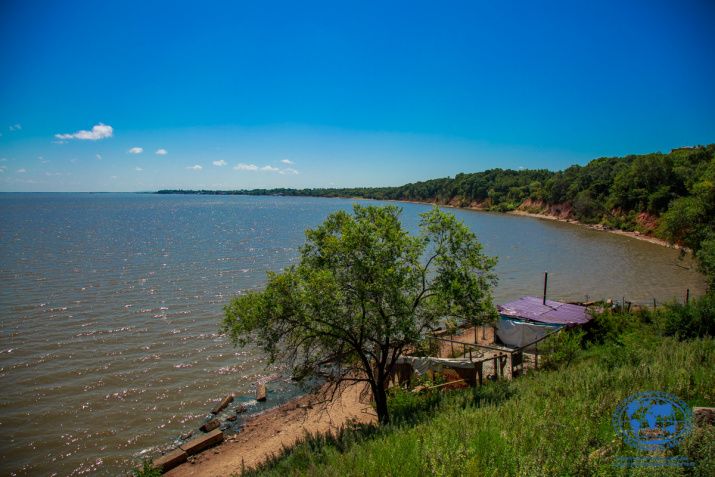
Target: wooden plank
(170,460)
(195,446)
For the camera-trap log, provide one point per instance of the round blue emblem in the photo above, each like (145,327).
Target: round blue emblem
(652,420)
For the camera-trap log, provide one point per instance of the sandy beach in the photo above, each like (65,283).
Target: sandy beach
(268,433)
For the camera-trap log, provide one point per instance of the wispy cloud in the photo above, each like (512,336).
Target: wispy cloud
(136,150)
(100,131)
(196,167)
(99,157)
(246,167)
(15,127)
(220,163)
(74,159)
(269,168)
(289,170)
(138,169)
(161,152)
(287,161)
(21,171)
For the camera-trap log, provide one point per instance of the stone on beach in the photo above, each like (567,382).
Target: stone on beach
(261,393)
(222,405)
(210,426)
(170,460)
(195,446)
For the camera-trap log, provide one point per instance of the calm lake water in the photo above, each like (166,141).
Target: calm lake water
(110,304)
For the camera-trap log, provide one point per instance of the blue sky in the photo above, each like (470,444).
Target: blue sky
(137,96)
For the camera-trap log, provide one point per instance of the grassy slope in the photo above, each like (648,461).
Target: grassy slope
(552,422)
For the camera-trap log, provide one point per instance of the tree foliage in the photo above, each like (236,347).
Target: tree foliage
(364,292)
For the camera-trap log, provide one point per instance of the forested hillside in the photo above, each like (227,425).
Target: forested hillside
(614,190)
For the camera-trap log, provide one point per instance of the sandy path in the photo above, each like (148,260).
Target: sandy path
(266,434)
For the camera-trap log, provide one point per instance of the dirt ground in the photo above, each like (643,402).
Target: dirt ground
(266,434)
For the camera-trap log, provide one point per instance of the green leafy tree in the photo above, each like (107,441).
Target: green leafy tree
(364,292)
(690,222)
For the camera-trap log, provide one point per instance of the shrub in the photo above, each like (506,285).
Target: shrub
(691,320)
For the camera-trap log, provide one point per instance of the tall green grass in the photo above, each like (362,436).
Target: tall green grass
(553,422)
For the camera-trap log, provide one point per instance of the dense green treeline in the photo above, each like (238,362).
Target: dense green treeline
(605,188)
(670,195)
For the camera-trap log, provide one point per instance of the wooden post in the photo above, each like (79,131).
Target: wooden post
(655,307)
(536,355)
(546,278)
(687,296)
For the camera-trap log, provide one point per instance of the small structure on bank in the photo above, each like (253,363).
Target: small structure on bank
(528,319)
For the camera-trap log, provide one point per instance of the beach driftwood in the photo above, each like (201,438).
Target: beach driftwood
(170,460)
(194,446)
(222,405)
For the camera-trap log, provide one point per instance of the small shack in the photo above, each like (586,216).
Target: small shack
(528,319)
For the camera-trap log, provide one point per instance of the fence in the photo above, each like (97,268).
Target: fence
(491,362)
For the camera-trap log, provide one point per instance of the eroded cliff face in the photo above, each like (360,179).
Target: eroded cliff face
(563,210)
(647,222)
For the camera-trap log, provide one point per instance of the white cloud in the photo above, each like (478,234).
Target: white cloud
(21,170)
(100,131)
(15,127)
(40,157)
(220,163)
(196,167)
(269,168)
(74,159)
(289,170)
(287,161)
(161,152)
(115,177)
(246,167)
(56,173)
(99,157)
(136,150)
(138,169)
(3,159)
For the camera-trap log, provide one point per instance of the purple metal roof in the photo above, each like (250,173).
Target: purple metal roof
(553,312)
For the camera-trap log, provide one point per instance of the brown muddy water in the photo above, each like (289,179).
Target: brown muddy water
(110,304)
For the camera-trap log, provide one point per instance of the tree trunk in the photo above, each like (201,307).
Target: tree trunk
(380,395)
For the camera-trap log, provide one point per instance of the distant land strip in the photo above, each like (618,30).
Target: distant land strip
(630,193)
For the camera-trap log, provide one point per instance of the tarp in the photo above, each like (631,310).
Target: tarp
(520,333)
(530,308)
